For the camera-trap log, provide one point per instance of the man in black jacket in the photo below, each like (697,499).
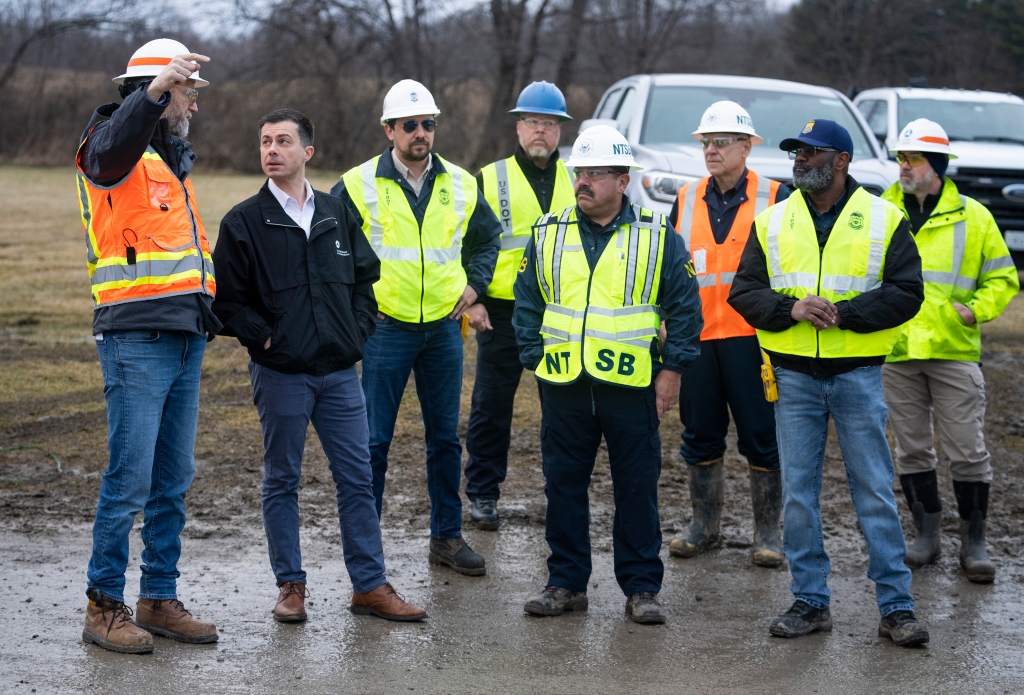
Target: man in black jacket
(296,290)
(827,279)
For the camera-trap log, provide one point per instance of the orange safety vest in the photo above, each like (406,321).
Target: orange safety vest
(143,235)
(716,263)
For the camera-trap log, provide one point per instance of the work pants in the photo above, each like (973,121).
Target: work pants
(151,385)
(286,404)
(498,371)
(727,376)
(950,392)
(435,358)
(575,416)
(854,401)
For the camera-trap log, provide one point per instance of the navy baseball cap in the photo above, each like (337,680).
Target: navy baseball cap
(821,133)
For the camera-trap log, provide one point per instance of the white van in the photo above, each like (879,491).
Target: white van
(986,131)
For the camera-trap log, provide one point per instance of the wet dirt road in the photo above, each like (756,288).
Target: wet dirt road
(478,640)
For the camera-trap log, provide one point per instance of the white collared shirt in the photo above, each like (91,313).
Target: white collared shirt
(303,217)
(416,183)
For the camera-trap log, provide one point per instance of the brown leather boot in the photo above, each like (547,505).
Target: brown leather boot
(108,623)
(170,618)
(385,602)
(291,603)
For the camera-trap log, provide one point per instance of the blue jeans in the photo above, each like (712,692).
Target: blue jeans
(151,385)
(334,403)
(854,400)
(435,357)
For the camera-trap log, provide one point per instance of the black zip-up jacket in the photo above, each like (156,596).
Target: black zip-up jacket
(678,296)
(313,299)
(894,303)
(481,241)
(119,137)
(542,181)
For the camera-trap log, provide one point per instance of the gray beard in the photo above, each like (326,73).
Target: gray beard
(179,128)
(816,180)
(917,187)
(539,152)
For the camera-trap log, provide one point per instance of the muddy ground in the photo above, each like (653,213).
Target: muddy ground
(52,432)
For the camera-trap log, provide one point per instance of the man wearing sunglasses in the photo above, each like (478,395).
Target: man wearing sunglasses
(828,279)
(714,216)
(934,371)
(519,189)
(153,286)
(594,281)
(437,240)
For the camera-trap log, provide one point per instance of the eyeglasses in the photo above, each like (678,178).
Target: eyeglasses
(191,94)
(410,126)
(593,173)
(719,143)
(540,123)
(914,159)
(809,151)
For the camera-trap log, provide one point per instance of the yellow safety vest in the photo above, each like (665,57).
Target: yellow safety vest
(601,323)
(511,197)
(964,259)
(421,273)
(851,263)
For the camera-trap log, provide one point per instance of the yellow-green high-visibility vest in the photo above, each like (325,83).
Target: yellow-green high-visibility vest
(512,198)
(421,274)
(964,259)
(851,263)
(601,323)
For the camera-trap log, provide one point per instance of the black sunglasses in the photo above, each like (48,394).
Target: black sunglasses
(809,151)
(410,126)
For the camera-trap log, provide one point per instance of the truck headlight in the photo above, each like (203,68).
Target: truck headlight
(663,186)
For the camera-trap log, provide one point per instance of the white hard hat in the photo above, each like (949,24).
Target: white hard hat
(153,57)
(602,146)
(923,135)
(727,117)
(408,98)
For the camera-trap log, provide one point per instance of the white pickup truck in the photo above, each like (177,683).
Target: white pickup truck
(657,113)
(986,131)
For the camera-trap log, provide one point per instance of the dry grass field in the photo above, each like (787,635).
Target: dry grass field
(51,398)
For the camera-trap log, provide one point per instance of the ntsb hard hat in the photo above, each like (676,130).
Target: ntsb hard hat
(153,57)
(727,117)
(602,146)
(408,98)
(923,135)
(544,98)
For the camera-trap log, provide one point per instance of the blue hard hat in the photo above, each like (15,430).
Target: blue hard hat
(542,97)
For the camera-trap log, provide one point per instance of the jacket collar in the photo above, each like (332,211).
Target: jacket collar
(531,170)
(949,210)
(273,214)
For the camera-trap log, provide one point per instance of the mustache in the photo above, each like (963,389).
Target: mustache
(584,190)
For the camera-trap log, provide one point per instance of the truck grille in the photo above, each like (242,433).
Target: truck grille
(986,186)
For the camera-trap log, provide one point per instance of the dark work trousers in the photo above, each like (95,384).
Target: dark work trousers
(727,376)
(574,418)
(498,371)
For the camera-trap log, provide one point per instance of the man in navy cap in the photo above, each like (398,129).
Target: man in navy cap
(828,278)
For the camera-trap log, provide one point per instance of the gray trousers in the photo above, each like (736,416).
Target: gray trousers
(952,394)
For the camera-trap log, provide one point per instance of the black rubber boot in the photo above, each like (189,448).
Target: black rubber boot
(766,495)
(707,493)
(972,500)
(922,493)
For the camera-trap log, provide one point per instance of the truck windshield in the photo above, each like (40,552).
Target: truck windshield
(968,120)
(674,113)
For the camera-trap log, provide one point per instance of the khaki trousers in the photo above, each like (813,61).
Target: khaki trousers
(950,392)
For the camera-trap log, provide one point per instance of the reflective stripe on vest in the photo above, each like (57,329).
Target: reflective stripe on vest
(851,263)
(601,322)
(513,200)
(716,262)
(143,238)
(421,269)
(959,246)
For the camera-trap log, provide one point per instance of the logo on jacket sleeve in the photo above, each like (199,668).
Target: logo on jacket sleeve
(523,264)
(856,220)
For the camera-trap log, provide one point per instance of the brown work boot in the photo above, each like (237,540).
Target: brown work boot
(291,603)
(170,618)
(108,623)
(385,602)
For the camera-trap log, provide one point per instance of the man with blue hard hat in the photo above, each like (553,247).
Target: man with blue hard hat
(828,278)
(519,189)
